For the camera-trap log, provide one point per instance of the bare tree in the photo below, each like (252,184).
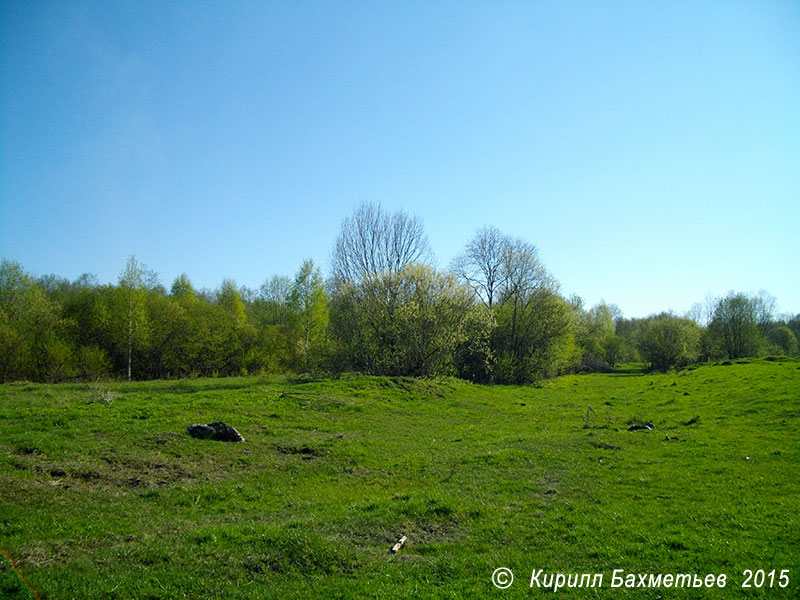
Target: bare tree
(523,271)
(766,306)
(500,268)
(481,263)
(372,242)
(703,312)
(275,294)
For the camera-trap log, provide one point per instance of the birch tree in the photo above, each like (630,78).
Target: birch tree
(135,279)
(308,310)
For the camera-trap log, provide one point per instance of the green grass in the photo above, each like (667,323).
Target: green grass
(105,496)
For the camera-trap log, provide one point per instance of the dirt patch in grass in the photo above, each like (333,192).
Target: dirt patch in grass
(118,473)
(27,450)
(304,451)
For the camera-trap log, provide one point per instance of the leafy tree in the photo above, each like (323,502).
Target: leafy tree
(33,334)
(269,315)
(182,287)
(599,346)
(77,300)
(474,358)
(666,341)
(794,325)
(432,319)
(169,334)
(784,340)
(308,310)
(230,299)
(614,347)
(119,325)
(534,337)
(735,325)
(92,363)
(228,331)
(134,280)
(533,332)
(409,322)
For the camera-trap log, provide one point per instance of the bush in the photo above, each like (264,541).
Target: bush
(93,363)
(666,341)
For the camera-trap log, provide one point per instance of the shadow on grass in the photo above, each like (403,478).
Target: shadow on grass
(629,370)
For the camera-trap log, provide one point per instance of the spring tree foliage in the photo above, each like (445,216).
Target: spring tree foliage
(599,344)
(533,338)
(666,341)
(269,312)
(308,318)
(134,281)
(33,332)
(408,322)
(735,325)
(532,328)
(495,316)
(390,312)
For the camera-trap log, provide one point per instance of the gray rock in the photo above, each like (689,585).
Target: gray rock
(216,431)
(646,427)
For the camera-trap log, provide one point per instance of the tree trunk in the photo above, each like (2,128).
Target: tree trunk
(130,331)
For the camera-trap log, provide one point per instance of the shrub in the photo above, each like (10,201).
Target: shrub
(666,341)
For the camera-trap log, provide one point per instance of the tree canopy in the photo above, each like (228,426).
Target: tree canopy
(496,315)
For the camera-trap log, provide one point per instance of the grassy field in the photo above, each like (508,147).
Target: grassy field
(103,495)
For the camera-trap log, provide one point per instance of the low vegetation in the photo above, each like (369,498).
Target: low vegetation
(104,495)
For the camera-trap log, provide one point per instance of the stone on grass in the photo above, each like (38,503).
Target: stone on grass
(215,431)
(646,427)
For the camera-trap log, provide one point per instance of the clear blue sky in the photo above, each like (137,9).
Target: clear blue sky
(651,150)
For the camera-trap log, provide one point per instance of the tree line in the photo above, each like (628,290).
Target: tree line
(496,315)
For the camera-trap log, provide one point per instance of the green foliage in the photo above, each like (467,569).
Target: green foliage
(474,358)
(182,287)
(785,341)
(34,340)
(230,299)
(122,326)
(598,344)
(533,338)
(134,281)
(308,319)
(93,363)
(613,348)
(666,341)
(534,334)
(405,323)
(497,318)
(735,325)
(794,325)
